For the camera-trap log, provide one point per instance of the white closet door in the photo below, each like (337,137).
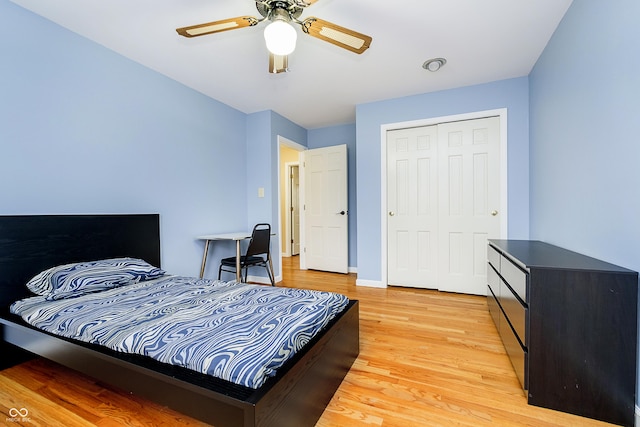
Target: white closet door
(412,207)
(443,196)
(469,200)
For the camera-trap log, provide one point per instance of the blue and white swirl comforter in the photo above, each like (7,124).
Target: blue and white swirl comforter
(238,332)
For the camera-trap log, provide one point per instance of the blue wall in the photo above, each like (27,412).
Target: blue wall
(339,135)
(205,159)
(510,94)
(280,126)
(585,111)
(263,129)
(84,130)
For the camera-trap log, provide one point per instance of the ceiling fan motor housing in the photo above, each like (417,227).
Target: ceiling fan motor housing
(278,9)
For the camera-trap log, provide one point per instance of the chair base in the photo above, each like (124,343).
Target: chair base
(229,265)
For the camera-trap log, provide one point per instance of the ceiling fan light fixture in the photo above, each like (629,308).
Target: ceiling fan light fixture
(280,37)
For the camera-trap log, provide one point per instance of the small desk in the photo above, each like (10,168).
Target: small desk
(237,236)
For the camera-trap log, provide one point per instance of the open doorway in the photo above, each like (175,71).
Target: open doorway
(288,199)
(291,210)
(293,207)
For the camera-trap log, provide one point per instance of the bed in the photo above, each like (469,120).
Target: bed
(295,396)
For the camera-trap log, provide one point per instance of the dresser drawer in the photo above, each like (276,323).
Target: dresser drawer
(494,258)
(516,353)
(515,312)
(494,308)
(493,280)
(515,278)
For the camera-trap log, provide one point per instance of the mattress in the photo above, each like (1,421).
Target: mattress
(233,331)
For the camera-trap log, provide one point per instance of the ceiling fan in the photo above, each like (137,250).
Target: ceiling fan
(280,35)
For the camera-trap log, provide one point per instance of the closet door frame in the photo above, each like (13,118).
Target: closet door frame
(502,113)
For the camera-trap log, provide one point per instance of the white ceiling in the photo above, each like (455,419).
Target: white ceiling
(482,40)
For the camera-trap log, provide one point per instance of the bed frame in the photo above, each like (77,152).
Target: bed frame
(296,396)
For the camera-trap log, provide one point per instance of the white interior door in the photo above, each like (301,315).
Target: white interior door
(326,234)
(412,221)
(443,197)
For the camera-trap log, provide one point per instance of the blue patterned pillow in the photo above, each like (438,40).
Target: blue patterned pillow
(66,281)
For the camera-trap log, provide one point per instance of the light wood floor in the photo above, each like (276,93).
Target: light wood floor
(426,359)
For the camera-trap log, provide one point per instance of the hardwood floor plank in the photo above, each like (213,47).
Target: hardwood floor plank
(426,359)
(18,397)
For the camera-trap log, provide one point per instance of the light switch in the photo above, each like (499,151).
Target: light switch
(261,192)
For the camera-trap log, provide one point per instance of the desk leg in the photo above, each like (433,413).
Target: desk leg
(238,271)
(204,258)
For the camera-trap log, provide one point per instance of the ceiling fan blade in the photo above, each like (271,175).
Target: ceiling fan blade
(218,26)
(337,35)
(278,63)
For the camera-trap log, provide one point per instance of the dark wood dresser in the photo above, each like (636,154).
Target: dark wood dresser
(569,325)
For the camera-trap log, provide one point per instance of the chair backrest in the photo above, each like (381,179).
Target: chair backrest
(260,240)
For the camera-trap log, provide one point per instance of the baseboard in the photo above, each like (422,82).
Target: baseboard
(370,283)
(637,417)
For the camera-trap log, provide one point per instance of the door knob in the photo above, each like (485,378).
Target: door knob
(392,213)
(342,213)
(494,213)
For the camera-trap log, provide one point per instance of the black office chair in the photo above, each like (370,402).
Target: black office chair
(257,255)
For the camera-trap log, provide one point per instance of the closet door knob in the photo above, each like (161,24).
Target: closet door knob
(494,213)
(391,213)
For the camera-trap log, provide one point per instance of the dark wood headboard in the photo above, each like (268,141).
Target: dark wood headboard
(32,243)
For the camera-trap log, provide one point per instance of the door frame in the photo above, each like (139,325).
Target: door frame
(282,141)
(288,204)
(501,112)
